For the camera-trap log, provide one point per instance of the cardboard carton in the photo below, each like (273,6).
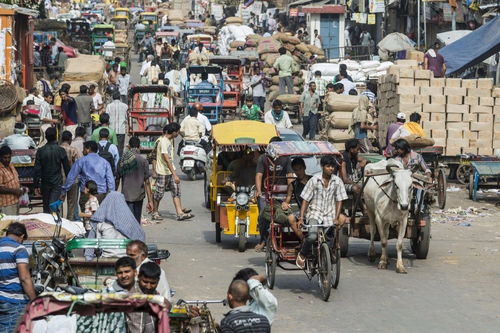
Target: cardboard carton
(484,117)
(423,74)
(438,133)
(433,108)
(477,126)
(403,81)
(452,108)
(410,108)
(487,101)
(422,99)
(455,99)
(453,83)
(437,82)
(453,116)
(402,90)
(478,92)
(455,91)
(485,83)
(481,109)
(432,125)
(431,91)
(438,99)
(471,100)
(469,83)
(468,117)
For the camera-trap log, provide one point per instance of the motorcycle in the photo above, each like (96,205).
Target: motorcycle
(145,50)
(51,267)
(193,316)
(193,159)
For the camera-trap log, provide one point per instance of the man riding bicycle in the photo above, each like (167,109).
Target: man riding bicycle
(322,200)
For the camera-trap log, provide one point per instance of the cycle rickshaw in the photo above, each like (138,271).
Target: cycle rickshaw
(283,245)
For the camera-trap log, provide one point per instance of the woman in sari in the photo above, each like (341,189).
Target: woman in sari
(114,220)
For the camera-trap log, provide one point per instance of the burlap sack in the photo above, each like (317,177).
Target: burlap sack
(274,87)
(271,58)
(418,141)
(302,47)
(254,37)
(339,120)
(268,45)
(235,44)
(289,47)
(84,68)
(234,20)
(293,40)
(175,15)
(289,99)
(337,135)
(176,22)
(315,50)
(336,102)
(272,95)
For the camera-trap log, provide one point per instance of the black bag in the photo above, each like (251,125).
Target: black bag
(104,153)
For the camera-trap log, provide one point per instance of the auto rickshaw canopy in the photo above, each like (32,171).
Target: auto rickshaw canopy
(239,134)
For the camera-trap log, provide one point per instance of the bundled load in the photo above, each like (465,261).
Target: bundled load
(337,123)
(341,103)
(289,99)
(176,17)
(85,68)
(196,59)
(232,36)
(74,89)
(234,20)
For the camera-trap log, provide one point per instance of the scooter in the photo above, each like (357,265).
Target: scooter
(193,159)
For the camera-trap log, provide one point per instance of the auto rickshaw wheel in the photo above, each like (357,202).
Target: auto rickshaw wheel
(420,244)
(218,232)
(325,272)
(344,240)
(206,190)
(441,188)
(242,238)
(271,262)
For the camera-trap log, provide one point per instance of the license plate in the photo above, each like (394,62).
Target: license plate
(188,163)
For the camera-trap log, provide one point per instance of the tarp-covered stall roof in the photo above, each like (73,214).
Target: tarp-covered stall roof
(473,48)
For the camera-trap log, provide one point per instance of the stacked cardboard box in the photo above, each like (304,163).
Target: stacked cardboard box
(461,115)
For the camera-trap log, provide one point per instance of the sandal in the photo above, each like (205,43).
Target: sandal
(184,217)
(186,210)
(300,262)
(260,247)
(156,216)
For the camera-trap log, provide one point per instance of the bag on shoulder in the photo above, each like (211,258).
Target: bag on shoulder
(104,153)
(152,154)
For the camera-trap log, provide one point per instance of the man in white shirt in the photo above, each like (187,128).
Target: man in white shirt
(202,118)
(45,116)
(258,90)
(193,130)
(123,84)
(138,251)
(96,98)
(117,112)
(348,85)
(145,66)
(277,116)
(18,141)
(33,96)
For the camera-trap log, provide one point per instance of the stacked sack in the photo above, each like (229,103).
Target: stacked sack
(233,35)
(338,117)
(360,71)
(175,17)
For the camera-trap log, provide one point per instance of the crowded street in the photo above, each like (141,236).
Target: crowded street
(249,166)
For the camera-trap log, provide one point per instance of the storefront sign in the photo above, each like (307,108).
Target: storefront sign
(371,18)
(377,6)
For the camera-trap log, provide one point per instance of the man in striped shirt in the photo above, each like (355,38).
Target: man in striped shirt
(16,287)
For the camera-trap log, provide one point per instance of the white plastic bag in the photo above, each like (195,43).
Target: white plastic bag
(24,199)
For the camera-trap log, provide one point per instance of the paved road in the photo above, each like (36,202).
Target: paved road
(455,290)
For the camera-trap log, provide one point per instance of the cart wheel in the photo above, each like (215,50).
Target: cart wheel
(325,271)
(441,187)
(271,262)
(242,238)
(206,190)
(463,172)
(344,241)
(471,186)
(335,258)
(420,244)
(218,232)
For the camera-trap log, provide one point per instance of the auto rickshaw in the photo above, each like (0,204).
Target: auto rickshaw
(212,98)
(122,12)
(233,207)
(150,17)
(205,39)
(100,35)
(79,33)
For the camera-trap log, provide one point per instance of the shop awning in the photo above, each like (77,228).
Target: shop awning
(473,48)
(20,10)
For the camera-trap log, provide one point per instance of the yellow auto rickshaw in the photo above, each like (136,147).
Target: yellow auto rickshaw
(122,12)
(233,205)
(151,18)
(120,23)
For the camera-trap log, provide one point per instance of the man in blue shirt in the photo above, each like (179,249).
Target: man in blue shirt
(16,286)
(90,167)
(204,84)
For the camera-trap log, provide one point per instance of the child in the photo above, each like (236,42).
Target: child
(251,111)
(91,205)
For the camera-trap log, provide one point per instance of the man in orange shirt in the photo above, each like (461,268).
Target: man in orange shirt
(10,189)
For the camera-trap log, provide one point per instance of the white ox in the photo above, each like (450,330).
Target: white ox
(387,199)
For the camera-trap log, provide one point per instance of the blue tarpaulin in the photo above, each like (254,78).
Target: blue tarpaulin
(473,48)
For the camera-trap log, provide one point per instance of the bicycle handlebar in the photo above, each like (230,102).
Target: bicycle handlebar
(181,301)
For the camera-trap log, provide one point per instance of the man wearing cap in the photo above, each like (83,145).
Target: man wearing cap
(19,141)
(400,120)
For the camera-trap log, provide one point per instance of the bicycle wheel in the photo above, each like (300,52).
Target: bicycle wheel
(335,259)
(325,271)
(271,262)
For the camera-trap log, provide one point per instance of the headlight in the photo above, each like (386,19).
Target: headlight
(49,252)
(242,199)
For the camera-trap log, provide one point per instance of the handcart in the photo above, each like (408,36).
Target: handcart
(485,175)
(212,98)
